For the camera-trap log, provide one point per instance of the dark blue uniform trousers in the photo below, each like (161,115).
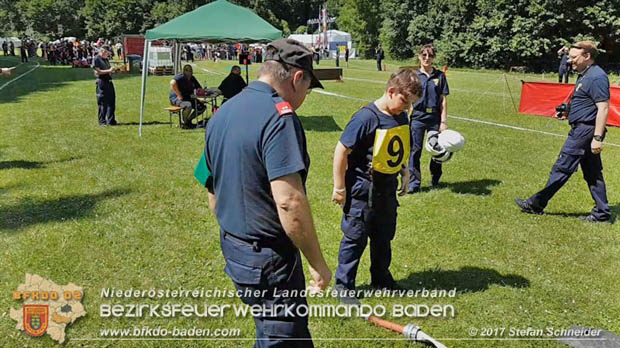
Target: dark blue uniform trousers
(563,74)
(576,150)
(418,128)
(359,225)
(252,267)
(106,101)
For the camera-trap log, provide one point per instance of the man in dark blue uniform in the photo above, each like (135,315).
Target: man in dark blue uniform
(257,154)
(379,56)
(372,151)
(429,113)
(106,95)
(589,107)
(182,89)
(564,69)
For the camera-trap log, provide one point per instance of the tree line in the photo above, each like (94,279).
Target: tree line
(466,33)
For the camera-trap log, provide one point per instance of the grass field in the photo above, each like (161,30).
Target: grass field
(101,207)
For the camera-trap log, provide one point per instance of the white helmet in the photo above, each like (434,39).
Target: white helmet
(443,158)
(450,140)
(432,144)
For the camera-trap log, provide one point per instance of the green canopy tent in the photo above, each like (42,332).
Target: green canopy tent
(219,21)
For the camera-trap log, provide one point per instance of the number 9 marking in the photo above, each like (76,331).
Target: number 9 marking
(395,152)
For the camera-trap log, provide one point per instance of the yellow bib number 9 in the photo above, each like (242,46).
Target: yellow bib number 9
(391,149)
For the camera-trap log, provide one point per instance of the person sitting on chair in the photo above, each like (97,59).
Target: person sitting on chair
(232,84)
(181,93)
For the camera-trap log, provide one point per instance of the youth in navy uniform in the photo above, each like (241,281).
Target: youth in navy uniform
(429,113)
(106,95)
(372,151)
(182,89)
(564,69)
(256,151)
(589,107)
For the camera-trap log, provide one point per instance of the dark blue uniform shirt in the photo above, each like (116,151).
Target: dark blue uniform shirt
(359,136)
(102,64)
(433,87)
(249,144)
(186,87)
(564,66)
(592,87)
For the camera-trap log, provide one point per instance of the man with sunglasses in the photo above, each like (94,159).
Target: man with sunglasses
(429,113)
(256,151)
(587,116)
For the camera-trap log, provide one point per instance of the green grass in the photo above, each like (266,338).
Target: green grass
(101,207)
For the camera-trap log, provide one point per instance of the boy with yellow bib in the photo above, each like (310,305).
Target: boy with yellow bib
(373,150)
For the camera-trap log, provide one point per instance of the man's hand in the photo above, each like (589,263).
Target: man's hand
(339,196)
(320,279)
(404,181)
(596,146)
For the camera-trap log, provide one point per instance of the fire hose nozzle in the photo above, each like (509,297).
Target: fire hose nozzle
(415,334)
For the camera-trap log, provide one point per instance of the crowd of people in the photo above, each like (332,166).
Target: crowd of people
(217,52)
(61,52)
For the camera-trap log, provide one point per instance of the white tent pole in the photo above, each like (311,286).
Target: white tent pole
(179,49)
(145,72)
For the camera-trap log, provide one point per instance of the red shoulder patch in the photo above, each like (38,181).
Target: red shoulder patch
(284,108)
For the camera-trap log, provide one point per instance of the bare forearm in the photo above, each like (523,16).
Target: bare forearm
(444,109)
(104,72)
(212,202)
(175,89)
(296,218)
(601,117)
(340,165)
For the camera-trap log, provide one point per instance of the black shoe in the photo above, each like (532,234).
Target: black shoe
(386,286)
(528,208)
(113,123)
(188,126)
(344,295)
(413,190)
(593,219)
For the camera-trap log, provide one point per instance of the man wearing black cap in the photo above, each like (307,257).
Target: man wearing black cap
(257,190)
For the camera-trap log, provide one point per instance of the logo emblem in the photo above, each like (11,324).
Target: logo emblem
(284,108)
(36,319)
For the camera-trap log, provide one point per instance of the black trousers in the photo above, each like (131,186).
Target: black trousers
(269,272)
(106,101)
(576,151)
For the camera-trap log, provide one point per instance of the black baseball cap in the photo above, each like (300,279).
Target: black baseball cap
(294,53)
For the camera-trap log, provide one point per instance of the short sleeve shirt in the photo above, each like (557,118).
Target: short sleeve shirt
(359,136)
(564,62)
(102,64)
(433,87)
(249,143)
(186,87)
(592,87)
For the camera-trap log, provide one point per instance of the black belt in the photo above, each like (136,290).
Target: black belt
(577,124)
(258,245)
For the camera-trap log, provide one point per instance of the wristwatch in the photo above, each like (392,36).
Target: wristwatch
(599,137)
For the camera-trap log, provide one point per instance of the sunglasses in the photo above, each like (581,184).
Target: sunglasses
(426,55)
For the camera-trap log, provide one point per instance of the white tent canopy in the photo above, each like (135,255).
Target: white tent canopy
(334,37)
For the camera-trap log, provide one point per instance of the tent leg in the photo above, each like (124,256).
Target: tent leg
(145,72)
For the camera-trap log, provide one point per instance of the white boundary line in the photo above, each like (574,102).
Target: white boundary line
(212,72)
(488,123)
(20,76)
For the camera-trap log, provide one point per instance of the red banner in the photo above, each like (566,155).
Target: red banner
(541,98)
